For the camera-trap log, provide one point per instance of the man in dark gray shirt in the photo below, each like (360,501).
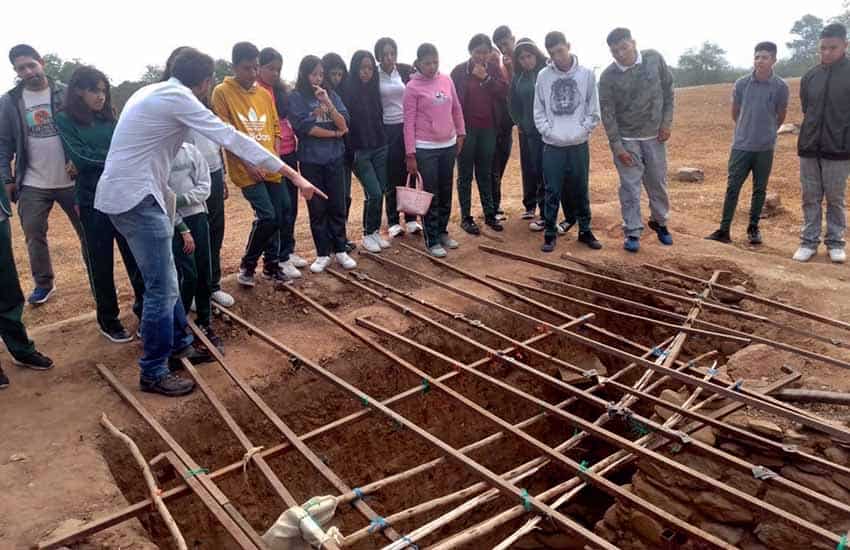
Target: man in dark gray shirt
(759,104)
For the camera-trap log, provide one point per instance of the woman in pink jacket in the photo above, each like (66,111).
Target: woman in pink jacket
(433,136)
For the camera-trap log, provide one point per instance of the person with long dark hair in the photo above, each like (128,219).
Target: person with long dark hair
(393,78)
(434,132)
(336,75)
(528,60)
(85,125)
(320,121)
(271,63)
(368,143)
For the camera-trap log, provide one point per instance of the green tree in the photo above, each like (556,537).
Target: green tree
(843,17)
(153,73)
(707,65)
(52,65)
(804,48)
(223,68)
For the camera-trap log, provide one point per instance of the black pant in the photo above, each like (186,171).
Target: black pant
(437,167)
(194,273)
(283,243)
(215,218)
(98,237)
(327,217)
(270,202)
(11,300)
(531,161)
(504,144)
(396,171)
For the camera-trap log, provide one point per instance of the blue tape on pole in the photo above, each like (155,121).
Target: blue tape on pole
(377,524)
(526,500)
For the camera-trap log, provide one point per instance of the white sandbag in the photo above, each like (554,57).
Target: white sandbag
(300,527)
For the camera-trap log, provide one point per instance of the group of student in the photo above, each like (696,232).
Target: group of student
(153,182)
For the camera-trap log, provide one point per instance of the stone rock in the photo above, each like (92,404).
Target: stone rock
(662,499)
(671,397)
(813,468)
(647,528)
(706,435)
(788,128)
(838,455)
(772,206)
(842,480)
(721,509)
(768,461)
(612,516)
(752,545)
(765,428)
(743,482)
(787,501)
(754,354)
(734,449)
(774,534)
(701,463)
(587,362)
(690,175)
(817,483)
(732,535)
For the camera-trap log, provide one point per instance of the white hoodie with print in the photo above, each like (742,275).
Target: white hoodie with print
(566,105)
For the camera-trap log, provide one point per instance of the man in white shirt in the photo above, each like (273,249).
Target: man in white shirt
(134,192)
(29,137)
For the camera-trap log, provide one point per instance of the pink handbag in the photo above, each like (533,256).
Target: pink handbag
(413,200)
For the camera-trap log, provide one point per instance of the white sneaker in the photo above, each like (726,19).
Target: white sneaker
(804,254)
(222,298)
(448,242)
(837,255)
(298,261)
(345,261)
(370,243)
(320,264)
(537,225)
(383,243)
(437,251)
(395,230)
(290,270)
(414,227)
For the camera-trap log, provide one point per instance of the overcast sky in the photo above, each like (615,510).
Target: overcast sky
(122,40)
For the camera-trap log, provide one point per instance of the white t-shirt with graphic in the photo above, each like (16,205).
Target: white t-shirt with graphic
(45,156)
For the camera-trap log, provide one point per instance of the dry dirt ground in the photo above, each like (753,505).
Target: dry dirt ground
(56,465)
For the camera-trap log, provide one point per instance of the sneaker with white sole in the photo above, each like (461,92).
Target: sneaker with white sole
(116,333)
(40,295)
(289,270)
(371,244)
(383,243)
(298,261)
(437,251)
(448,242)
(837,255)
(528,215)
(345,261)
(414,227)
(804,254)
(246,277)
(321,263)
(222,298)
(537,225)
(395,230)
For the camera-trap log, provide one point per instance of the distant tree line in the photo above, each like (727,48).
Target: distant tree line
(708,63)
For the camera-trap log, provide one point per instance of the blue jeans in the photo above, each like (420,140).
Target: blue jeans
(149,232)
(370,167)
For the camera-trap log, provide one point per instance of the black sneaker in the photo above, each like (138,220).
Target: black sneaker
(273,272)
(196,355)
(494,224)
(213,338)
(117,334)
(469,225)
(564,227)
(663,233)
(4,380)
(588,238)
(528,215)
(548,244)
(754,234)
(34,361)
(246,277)
(350,246)
(169,385)
(720,236)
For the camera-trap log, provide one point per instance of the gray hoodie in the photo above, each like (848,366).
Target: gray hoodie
(189,180)
(566,107)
